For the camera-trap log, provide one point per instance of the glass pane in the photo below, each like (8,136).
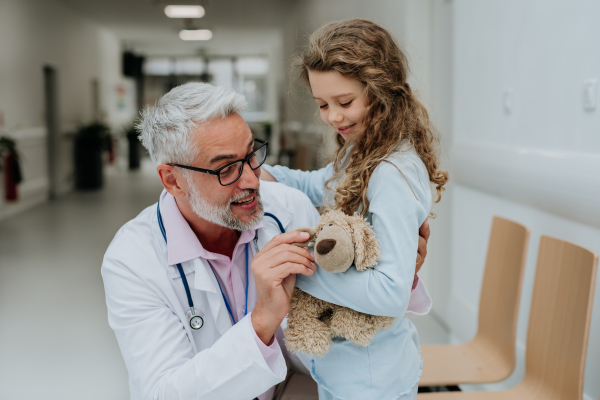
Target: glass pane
(231,173)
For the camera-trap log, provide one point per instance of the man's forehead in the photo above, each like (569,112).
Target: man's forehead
(229,137)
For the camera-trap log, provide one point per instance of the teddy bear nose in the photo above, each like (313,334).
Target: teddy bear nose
(325,246)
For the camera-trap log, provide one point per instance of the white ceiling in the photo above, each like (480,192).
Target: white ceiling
(143,26)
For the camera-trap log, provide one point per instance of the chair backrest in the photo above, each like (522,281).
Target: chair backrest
(501,287)
(559,318)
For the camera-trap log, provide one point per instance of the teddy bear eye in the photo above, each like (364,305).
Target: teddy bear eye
(330,224)
(321,228)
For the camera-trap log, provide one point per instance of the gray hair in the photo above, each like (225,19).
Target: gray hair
(166,130)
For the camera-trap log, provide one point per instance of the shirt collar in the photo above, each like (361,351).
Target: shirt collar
(182,243)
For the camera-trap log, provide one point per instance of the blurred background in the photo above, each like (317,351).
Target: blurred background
(511,86)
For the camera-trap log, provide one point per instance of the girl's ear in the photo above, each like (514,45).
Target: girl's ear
(366,248)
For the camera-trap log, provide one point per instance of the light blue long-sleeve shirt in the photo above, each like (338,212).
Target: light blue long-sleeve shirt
(390,366)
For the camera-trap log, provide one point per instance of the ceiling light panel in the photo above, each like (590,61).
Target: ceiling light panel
(195,34)
(184,11)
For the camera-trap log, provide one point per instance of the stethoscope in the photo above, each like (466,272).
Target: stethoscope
(195,320)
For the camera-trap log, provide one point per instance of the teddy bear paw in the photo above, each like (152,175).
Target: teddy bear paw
(317,343)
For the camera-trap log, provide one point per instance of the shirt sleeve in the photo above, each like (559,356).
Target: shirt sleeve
(398,207)
(269,352)
(311,183)
(420,301)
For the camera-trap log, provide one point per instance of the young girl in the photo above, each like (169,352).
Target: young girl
(385,160)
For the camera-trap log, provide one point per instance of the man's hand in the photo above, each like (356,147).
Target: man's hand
(422,251)
(275,268)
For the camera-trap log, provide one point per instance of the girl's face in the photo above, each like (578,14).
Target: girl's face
(342,101)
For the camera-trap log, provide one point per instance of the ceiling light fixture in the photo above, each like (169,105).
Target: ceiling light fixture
(184,11)
(195,34)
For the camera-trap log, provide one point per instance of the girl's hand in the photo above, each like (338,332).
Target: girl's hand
(424,233)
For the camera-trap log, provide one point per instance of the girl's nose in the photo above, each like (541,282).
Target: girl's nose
(335,117)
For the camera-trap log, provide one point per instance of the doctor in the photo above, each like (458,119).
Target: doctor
(198,284)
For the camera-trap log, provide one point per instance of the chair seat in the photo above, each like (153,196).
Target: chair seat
(527,390)
(477,361)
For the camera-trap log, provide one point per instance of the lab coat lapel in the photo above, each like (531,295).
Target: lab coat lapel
(206,281)
(271,228)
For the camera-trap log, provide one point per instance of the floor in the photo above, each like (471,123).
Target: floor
(55,342)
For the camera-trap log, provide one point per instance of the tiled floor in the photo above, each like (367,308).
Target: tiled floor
(55,342)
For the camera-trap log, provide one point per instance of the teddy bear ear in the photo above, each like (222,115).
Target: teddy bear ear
(366,247)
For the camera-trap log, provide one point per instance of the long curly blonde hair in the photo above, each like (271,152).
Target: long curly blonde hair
(362,50)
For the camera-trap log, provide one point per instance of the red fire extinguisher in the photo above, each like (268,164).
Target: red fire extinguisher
(12,176)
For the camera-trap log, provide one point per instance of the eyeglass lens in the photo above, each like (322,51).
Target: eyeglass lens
(232,172)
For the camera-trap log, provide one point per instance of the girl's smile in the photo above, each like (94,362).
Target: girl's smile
(341,100)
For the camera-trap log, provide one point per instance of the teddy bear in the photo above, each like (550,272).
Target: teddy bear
(340,241)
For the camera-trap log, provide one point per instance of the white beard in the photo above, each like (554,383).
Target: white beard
(221,214)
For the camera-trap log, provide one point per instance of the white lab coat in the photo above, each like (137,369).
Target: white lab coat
(147,308)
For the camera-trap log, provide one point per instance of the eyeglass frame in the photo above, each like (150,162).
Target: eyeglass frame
(217,172)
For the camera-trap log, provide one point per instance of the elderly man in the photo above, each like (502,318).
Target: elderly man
(198,284)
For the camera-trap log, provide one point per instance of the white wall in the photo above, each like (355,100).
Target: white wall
(536,164)
(36,33)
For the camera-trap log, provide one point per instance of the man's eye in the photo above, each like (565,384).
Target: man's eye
(228,170)
(323,106)
(346,104)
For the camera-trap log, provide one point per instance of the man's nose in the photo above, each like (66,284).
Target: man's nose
(249,180)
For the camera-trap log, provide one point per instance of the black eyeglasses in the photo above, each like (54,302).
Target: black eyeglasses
(231,172)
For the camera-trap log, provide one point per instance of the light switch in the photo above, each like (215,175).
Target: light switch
(590,94)
(508,100)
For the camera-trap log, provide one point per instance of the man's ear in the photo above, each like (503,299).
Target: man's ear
(366,247)
(172,180)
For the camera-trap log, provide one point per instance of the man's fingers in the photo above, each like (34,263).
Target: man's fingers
(287,238)
(291,257)
(288,248)
(293,268)
(424,231)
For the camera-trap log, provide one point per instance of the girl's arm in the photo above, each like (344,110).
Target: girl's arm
(396,217)
(312,183)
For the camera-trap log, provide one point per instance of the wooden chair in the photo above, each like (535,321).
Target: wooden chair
(490,356)
(558,331)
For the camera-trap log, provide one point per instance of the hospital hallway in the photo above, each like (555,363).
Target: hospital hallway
(55,342)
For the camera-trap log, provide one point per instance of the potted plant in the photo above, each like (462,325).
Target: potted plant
(90,141)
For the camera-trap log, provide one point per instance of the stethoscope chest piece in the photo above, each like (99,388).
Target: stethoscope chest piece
(196,321)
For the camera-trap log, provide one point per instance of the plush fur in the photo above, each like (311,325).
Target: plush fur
(340,240)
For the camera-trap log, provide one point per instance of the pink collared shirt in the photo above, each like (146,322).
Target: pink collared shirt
(183,245)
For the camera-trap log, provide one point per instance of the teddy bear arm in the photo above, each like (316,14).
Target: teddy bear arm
(353,325)
(311,231)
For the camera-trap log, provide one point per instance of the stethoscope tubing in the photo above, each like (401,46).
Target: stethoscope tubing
(184,279)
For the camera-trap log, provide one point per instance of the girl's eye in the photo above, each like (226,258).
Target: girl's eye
(323,106)
(346,104)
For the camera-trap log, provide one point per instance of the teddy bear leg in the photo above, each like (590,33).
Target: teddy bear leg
(353,325)
(305,331)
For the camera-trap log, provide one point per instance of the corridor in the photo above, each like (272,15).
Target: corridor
(55,342)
